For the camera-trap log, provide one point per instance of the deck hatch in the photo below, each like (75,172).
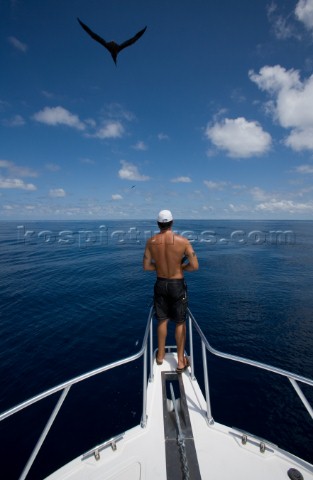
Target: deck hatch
(173,460)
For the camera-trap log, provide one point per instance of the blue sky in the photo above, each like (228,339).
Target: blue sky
(209,114)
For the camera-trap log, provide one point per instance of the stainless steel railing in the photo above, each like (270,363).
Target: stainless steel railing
(65,387)
(293,378)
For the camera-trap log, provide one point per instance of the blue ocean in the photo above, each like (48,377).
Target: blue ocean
(74,297)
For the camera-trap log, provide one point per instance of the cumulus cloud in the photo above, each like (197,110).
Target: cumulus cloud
(117,111)
(104,129)
(287,206)
(300,139)
(16,43)
(281,24)
(15,121)
(304,169)
(116,196)
(214,185)
(52,167)
(292,102)
(239,208)
(259,194)
(276,79)
(110,129)
(58,116)
(57,192)
(181,180)
(304,13)
(239,137)
(130,171)
(5,163)
(140,146)
(163,136)
(13,169)
(275,202)
(16,183)
(87,161)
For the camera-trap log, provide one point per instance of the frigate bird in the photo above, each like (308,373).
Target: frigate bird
(113,47)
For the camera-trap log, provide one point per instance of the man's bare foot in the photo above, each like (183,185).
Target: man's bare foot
(182,367)
(158,360)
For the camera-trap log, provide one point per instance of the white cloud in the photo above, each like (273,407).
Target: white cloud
(117,111)
(214,185)
(23,171)
(130,171)
(163,136)
(259,195)
(292,104)
(300,139)
(58,116)
(140,146)
(109,130)
(304,169)
(91,122)
(181,180)
(16,183)
(239,208)
(5,164)
(87,161)
(271,202)
(117,197)
(52,167)
(304,13)
(22,47)
(288,206)
(239,137)
(47,94)
(15,121)
(275,79)
(281,25)
(17,170)
(57,192)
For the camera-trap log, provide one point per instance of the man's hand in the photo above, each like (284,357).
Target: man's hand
(193,263)
(148,262)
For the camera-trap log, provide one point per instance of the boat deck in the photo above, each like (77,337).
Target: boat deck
(213,450)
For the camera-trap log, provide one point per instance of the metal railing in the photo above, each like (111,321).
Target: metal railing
(65,387)
(293,378)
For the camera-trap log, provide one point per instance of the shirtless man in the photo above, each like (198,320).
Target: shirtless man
(164,254)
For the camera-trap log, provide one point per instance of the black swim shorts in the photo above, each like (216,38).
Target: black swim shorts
(170,299)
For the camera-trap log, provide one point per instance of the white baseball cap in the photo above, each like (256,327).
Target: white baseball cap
(165,216)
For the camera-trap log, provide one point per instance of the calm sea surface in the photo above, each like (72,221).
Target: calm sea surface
(74,297)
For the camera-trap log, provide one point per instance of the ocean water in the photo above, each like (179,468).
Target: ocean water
(74,297)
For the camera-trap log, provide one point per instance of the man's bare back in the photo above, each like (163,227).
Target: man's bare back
(164,253)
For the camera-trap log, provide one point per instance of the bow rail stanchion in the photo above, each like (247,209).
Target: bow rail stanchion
(292,377)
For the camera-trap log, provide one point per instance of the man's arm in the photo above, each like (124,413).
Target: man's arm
(148,263)
(193,263)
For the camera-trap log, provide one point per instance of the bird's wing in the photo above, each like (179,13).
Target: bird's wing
(133,39)
(92,34)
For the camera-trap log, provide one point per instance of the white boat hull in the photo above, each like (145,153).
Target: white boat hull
(222,453)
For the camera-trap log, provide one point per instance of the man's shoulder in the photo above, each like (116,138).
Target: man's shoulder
(153,240)
(181,239)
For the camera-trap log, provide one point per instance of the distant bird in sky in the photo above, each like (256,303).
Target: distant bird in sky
(133,186)
(113,47)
